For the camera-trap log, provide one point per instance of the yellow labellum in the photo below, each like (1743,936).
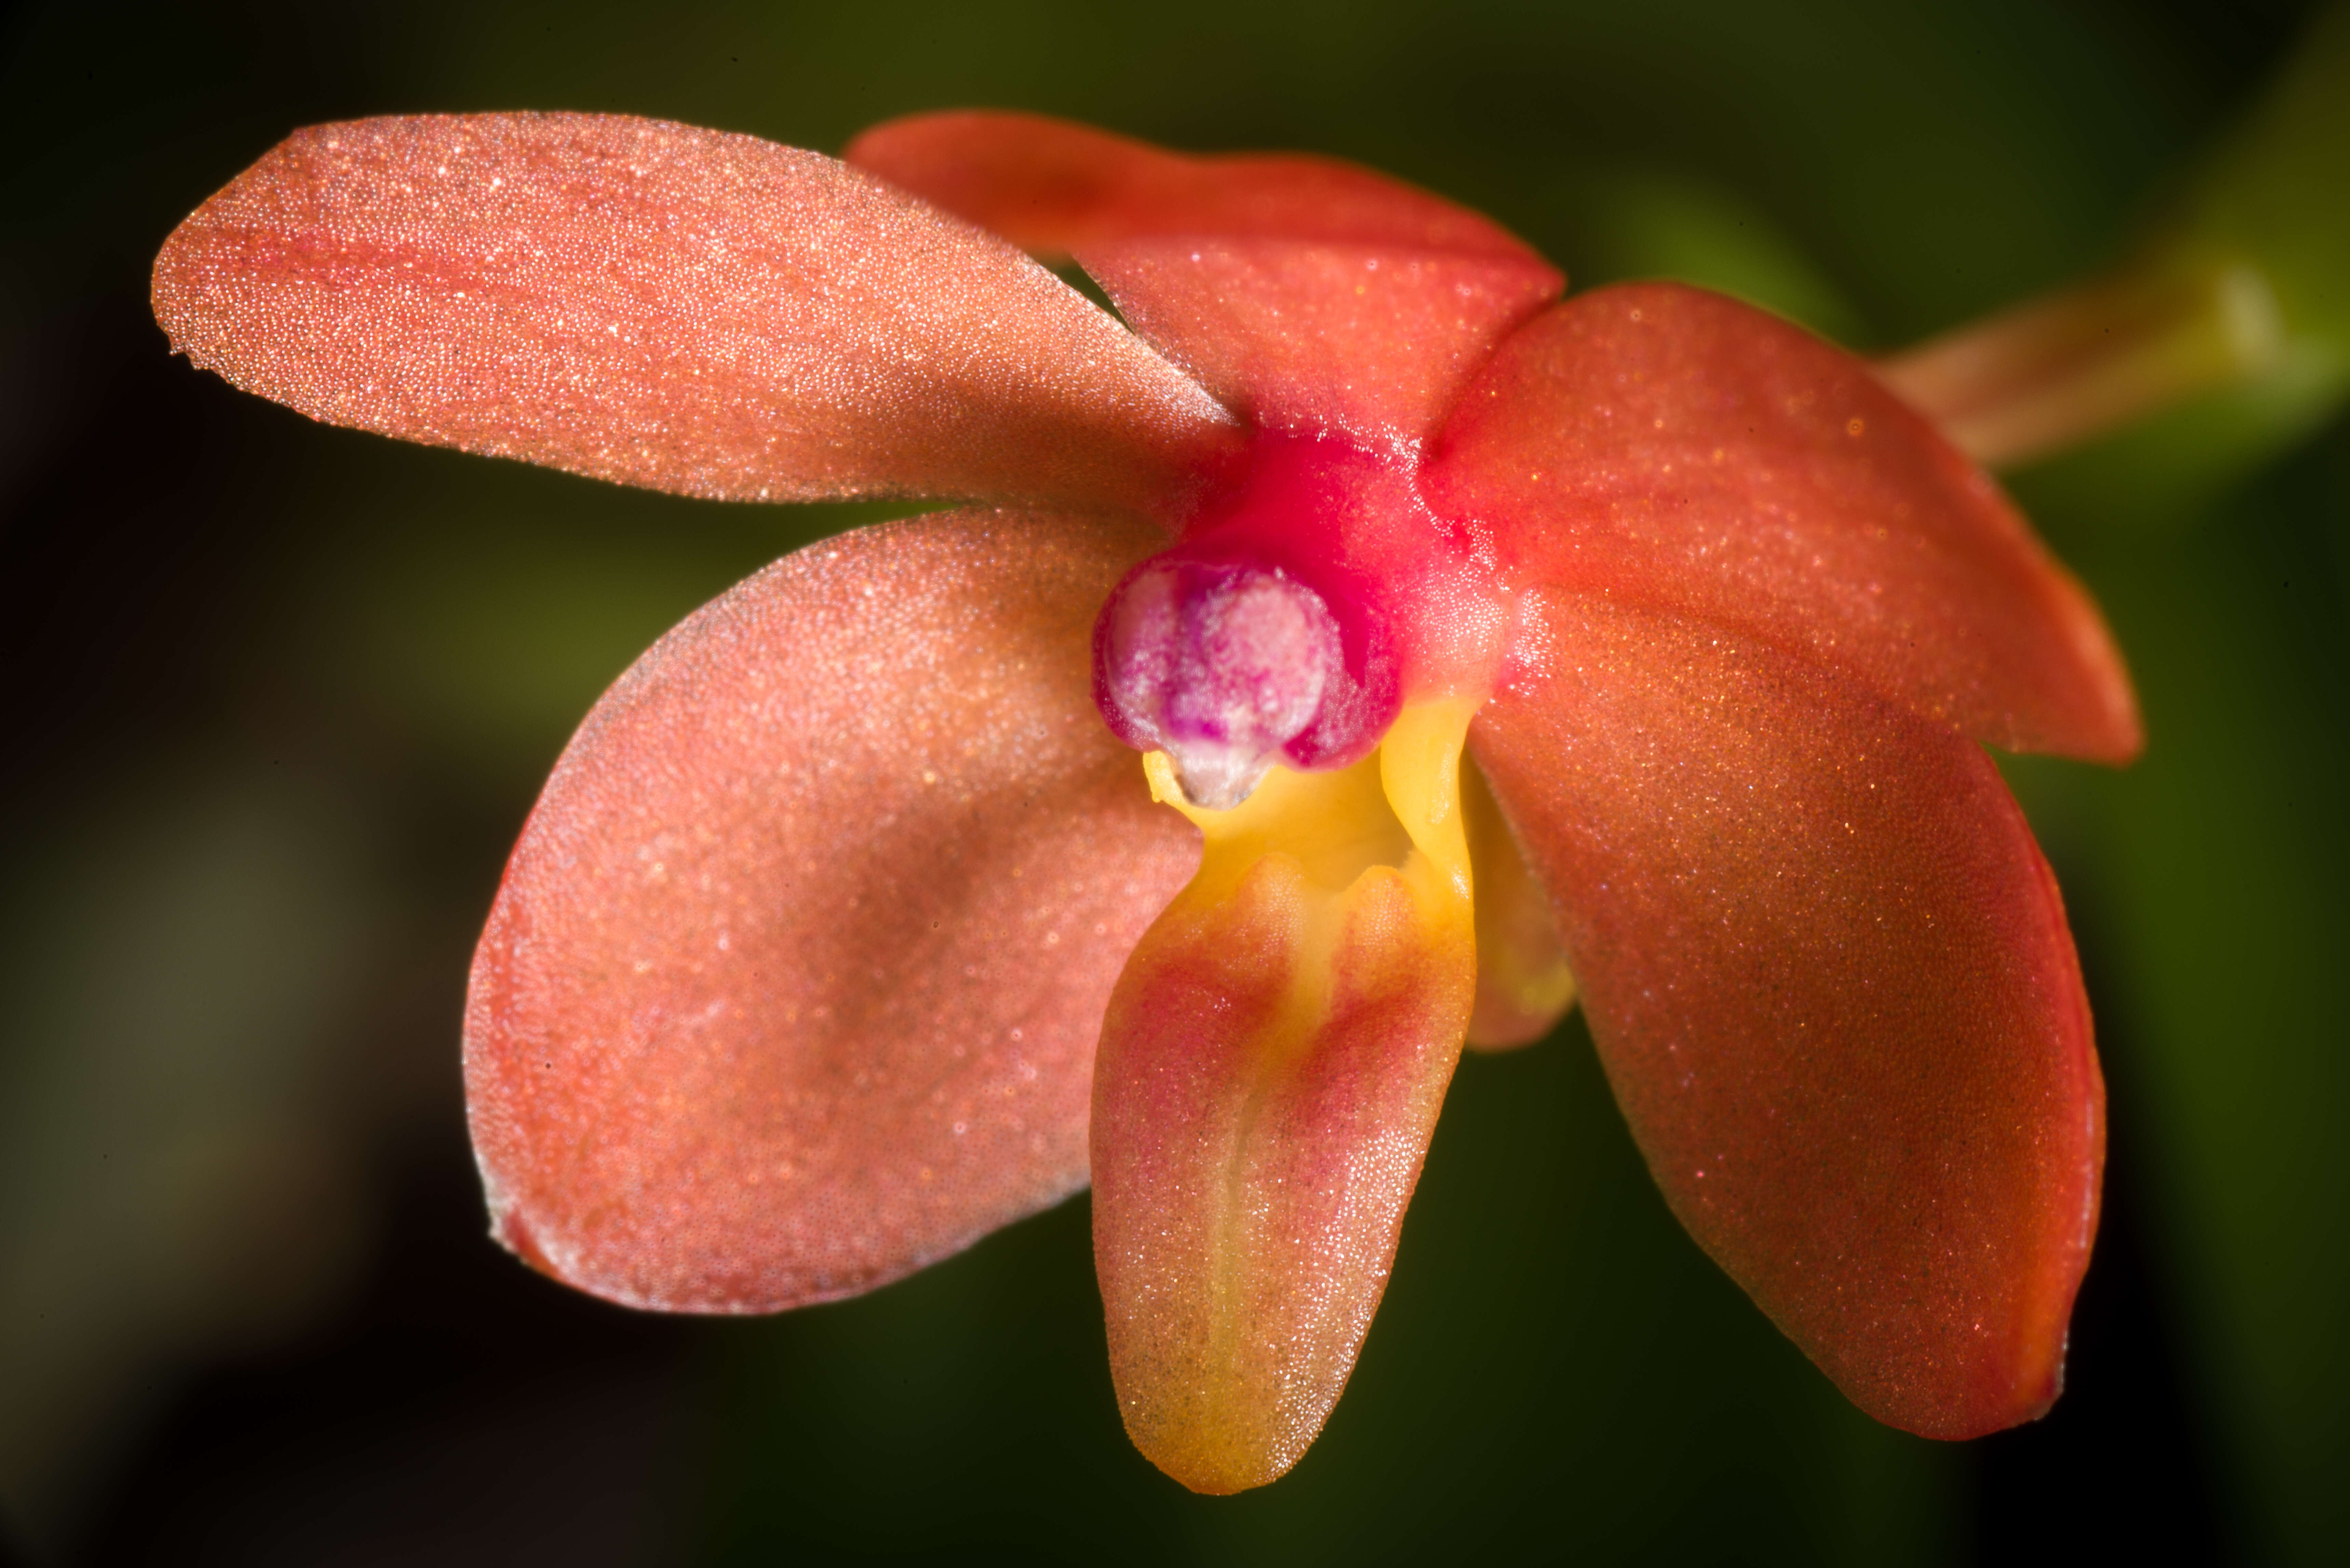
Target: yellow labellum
(1271,1069)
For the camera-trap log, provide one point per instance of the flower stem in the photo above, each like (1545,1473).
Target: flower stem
(2233,314)
(2055,371)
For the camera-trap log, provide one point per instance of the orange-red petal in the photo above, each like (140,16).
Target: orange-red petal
(679,308)
(795,980)
(1831,979)
(1053,187)
(1673,449)
(1308,294)
(1372,341)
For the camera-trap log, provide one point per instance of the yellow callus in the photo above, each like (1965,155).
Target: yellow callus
(1399,807)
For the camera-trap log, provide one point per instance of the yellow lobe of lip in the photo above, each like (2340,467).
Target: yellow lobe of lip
(1525,984)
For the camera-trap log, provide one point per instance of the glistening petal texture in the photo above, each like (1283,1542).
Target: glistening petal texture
(1308,294)
(1374,342)
(1831,979)
(683,309)
(1677,450)
(1253,1154)
(795,980)
(1053,187)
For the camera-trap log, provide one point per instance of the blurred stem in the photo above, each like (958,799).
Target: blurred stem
(2226,332)
(2053,372)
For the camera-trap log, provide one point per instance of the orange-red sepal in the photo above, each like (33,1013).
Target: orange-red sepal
(1376,341)
(685,309)
(1053,187)
(1673,449)
(1306,293)
(1830,977)
(794,979)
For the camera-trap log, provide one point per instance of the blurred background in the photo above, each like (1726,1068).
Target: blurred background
(280,696)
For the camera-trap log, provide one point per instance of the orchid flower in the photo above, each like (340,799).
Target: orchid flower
(1491,652)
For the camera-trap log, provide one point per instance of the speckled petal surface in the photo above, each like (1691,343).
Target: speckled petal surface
(1372,341)
(1675,448)
(794,979)
(1250,1188)
(1308,294)
(1271,1070)
(1053,187)
(1830,978)
(667,307)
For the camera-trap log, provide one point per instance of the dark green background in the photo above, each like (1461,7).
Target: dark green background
(279,696)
